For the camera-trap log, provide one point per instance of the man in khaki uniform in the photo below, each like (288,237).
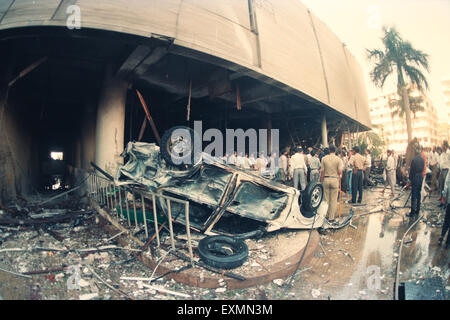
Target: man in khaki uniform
(358,164)
(331,173)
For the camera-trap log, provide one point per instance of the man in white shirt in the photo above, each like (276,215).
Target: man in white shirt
(284,163)
(232,159)
(240,160)
(367,171)
(390,173)
(434,158)
(395,156)
(299,169)
(266,161)
(247,163)
(261,164)
(273,164)
(252,160)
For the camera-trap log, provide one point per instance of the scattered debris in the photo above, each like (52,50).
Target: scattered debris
(315,293)
(163,290)
(278,282)
(88,296)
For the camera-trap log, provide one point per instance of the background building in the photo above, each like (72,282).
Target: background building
(444,126)
(392,128)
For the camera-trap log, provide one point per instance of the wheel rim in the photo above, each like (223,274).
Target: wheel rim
(316,197)
(178,147)
(221,249)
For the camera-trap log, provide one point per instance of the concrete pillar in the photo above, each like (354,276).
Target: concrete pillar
(109,136)
(77,154)
(88,135)
(324,131)
(8,174)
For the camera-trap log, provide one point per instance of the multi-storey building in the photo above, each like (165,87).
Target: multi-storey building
(444,124)
(392,128)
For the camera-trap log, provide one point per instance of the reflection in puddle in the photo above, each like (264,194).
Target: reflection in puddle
(377,248)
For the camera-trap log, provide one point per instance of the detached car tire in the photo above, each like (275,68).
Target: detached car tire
(172,144)
(312,197)
(222,252)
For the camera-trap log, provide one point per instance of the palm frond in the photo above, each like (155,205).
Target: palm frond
(417,78)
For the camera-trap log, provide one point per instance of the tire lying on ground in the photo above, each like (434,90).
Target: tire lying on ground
(312,197)
(177,146)
(222,252)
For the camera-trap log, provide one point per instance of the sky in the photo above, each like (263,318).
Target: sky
(425,23)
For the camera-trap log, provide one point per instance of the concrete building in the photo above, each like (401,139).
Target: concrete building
(77,65)
(392,128)
(444,124)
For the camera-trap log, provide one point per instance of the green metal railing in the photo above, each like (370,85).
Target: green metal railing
(127,204)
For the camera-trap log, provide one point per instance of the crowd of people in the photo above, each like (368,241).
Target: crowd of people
(337,168)
(434,161)
(349,172)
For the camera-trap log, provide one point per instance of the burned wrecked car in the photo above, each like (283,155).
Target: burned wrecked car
(223,199)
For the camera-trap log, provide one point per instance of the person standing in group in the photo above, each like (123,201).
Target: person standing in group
(232,159)
(290,171)
(240,160)
(395,156)
(367,169)
(261,163)
(349,173)
(358,164)
(314,166)
(446,201)
(246,162)
(330,174)
(444,165)
(263,157)
(307,156)
(225,158)
(344,178)
(424,155)
(321,154)
(434,157)
(390,173)
(284,165)
(299,169)
(273,164)
(252,160)
(416,178)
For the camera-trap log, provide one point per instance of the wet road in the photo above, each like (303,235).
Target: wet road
(356,262)
(360,262)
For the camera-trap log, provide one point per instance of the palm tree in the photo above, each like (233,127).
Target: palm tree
(398,106)
(399,58)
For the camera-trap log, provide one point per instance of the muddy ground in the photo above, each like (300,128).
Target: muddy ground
(346,264)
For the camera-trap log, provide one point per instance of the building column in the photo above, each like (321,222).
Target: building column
(88,135)
(109,136)
(324,131)
(8,176)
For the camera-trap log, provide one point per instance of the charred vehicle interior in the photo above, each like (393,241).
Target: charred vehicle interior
(223,199)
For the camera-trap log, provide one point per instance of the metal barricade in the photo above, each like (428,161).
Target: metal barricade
(111,196)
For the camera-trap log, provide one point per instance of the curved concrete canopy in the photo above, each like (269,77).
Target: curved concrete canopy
(277,41)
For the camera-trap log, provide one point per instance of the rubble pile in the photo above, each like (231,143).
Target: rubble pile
(75,258)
